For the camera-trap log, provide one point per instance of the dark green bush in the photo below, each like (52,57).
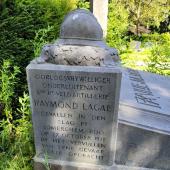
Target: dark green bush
(24,26)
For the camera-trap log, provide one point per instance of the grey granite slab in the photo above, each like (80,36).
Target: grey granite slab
(74,112)
(144,121)
(41,164)
(145,100)
(146,91)
(138,147)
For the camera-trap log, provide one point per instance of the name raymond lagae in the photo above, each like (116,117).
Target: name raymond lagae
(73,105)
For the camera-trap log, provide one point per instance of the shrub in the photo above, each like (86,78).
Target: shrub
(83,4)
(15,127)
(159,61)
(153,58)
(25,25)
(7,83)
(17,150)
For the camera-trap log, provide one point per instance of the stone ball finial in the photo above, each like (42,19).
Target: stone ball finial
(80,43)
(81,24)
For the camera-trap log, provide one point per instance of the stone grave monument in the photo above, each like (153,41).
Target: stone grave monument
(74,88)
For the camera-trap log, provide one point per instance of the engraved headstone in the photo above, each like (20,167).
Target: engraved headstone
(74,112)
(74,89)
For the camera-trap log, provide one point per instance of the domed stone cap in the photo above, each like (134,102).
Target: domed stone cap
(81,24)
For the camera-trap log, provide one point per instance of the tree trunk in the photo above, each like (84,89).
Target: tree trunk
(137,27)
(138,18)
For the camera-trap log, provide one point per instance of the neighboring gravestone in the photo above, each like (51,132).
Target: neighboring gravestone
(148,44)
(144,120)
(135,45)
(74,108)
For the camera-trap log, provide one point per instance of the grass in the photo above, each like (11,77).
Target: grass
(16,149)
(16,141)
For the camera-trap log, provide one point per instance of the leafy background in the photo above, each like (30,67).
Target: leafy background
(26,25)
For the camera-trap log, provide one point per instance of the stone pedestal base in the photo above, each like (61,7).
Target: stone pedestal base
(41,164)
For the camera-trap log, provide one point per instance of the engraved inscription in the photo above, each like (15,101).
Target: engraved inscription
(73,115)
(143,94)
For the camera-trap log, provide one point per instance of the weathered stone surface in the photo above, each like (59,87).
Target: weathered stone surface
(146,102)
(80,43)
(146,91)
(81,24)
(142,148)
(144,120)
(74,112)
(76,55)
(79,55)
(60,165)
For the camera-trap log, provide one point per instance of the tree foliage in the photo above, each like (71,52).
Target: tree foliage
(117,24)
(159,61)
(146,13)
(83,4)
(24,26)
(27,24)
